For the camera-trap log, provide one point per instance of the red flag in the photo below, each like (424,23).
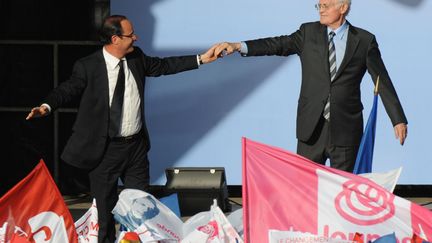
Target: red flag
(358,238)
(35,208)
(16,238)
(418,239)
(284,191)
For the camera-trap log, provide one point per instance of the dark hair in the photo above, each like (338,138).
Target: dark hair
(111,26)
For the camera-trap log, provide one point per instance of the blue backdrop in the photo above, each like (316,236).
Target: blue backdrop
(197,118)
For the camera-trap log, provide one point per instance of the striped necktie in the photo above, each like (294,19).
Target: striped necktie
(332,64)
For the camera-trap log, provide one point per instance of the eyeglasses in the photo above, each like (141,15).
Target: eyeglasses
(324,6)
(129,36)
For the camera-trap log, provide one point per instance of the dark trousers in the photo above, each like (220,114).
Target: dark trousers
(74,180)
(126,160)
(319,148)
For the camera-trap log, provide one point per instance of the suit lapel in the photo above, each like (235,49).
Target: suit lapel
(351,46)
(102,74)
(323,41)
(133,67)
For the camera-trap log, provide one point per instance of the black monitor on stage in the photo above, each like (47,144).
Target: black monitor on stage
(196,187)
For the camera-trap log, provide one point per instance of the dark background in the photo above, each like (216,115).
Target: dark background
(39,42)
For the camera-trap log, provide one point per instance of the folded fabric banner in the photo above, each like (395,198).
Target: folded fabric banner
(284,191)
(152,221)
(87,226)
(136,208)
(236,220)
(211,227)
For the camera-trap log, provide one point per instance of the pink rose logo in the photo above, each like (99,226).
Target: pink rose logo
(211,229)
(364,205)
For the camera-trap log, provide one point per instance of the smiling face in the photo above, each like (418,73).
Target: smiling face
(332,12)
(122,44)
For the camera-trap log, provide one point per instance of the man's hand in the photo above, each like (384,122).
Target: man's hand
(227,48)
(209,56)
(401,132)
(39,111)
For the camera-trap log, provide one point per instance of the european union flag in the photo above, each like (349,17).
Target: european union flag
(364,158)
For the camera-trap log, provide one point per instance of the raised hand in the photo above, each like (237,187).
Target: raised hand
(39,111)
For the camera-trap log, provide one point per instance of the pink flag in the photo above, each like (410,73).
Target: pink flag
(35,210)
(284,191)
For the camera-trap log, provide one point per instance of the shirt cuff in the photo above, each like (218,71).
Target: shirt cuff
(47,106)
(199,61)
(244,48)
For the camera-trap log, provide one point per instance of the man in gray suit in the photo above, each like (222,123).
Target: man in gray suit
(334,56)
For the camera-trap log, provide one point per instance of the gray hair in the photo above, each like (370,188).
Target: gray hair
(348,3)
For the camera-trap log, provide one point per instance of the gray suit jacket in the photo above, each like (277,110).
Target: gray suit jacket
(310,43)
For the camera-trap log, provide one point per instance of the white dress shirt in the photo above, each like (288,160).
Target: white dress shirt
(131,114)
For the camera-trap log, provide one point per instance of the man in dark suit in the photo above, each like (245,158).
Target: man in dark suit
(109,137)
(334,56)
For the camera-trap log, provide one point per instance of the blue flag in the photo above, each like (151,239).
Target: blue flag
(390,238)
(364,158)
(172,203)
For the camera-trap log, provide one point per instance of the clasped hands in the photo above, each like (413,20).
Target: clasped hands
(220,50)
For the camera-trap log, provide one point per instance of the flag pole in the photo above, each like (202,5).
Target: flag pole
(376,86)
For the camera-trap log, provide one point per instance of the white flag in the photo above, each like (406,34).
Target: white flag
(388,180)
(87,226)
(3,231)
(136,208)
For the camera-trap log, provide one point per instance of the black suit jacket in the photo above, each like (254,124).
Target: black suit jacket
(89,80)
(310,43)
